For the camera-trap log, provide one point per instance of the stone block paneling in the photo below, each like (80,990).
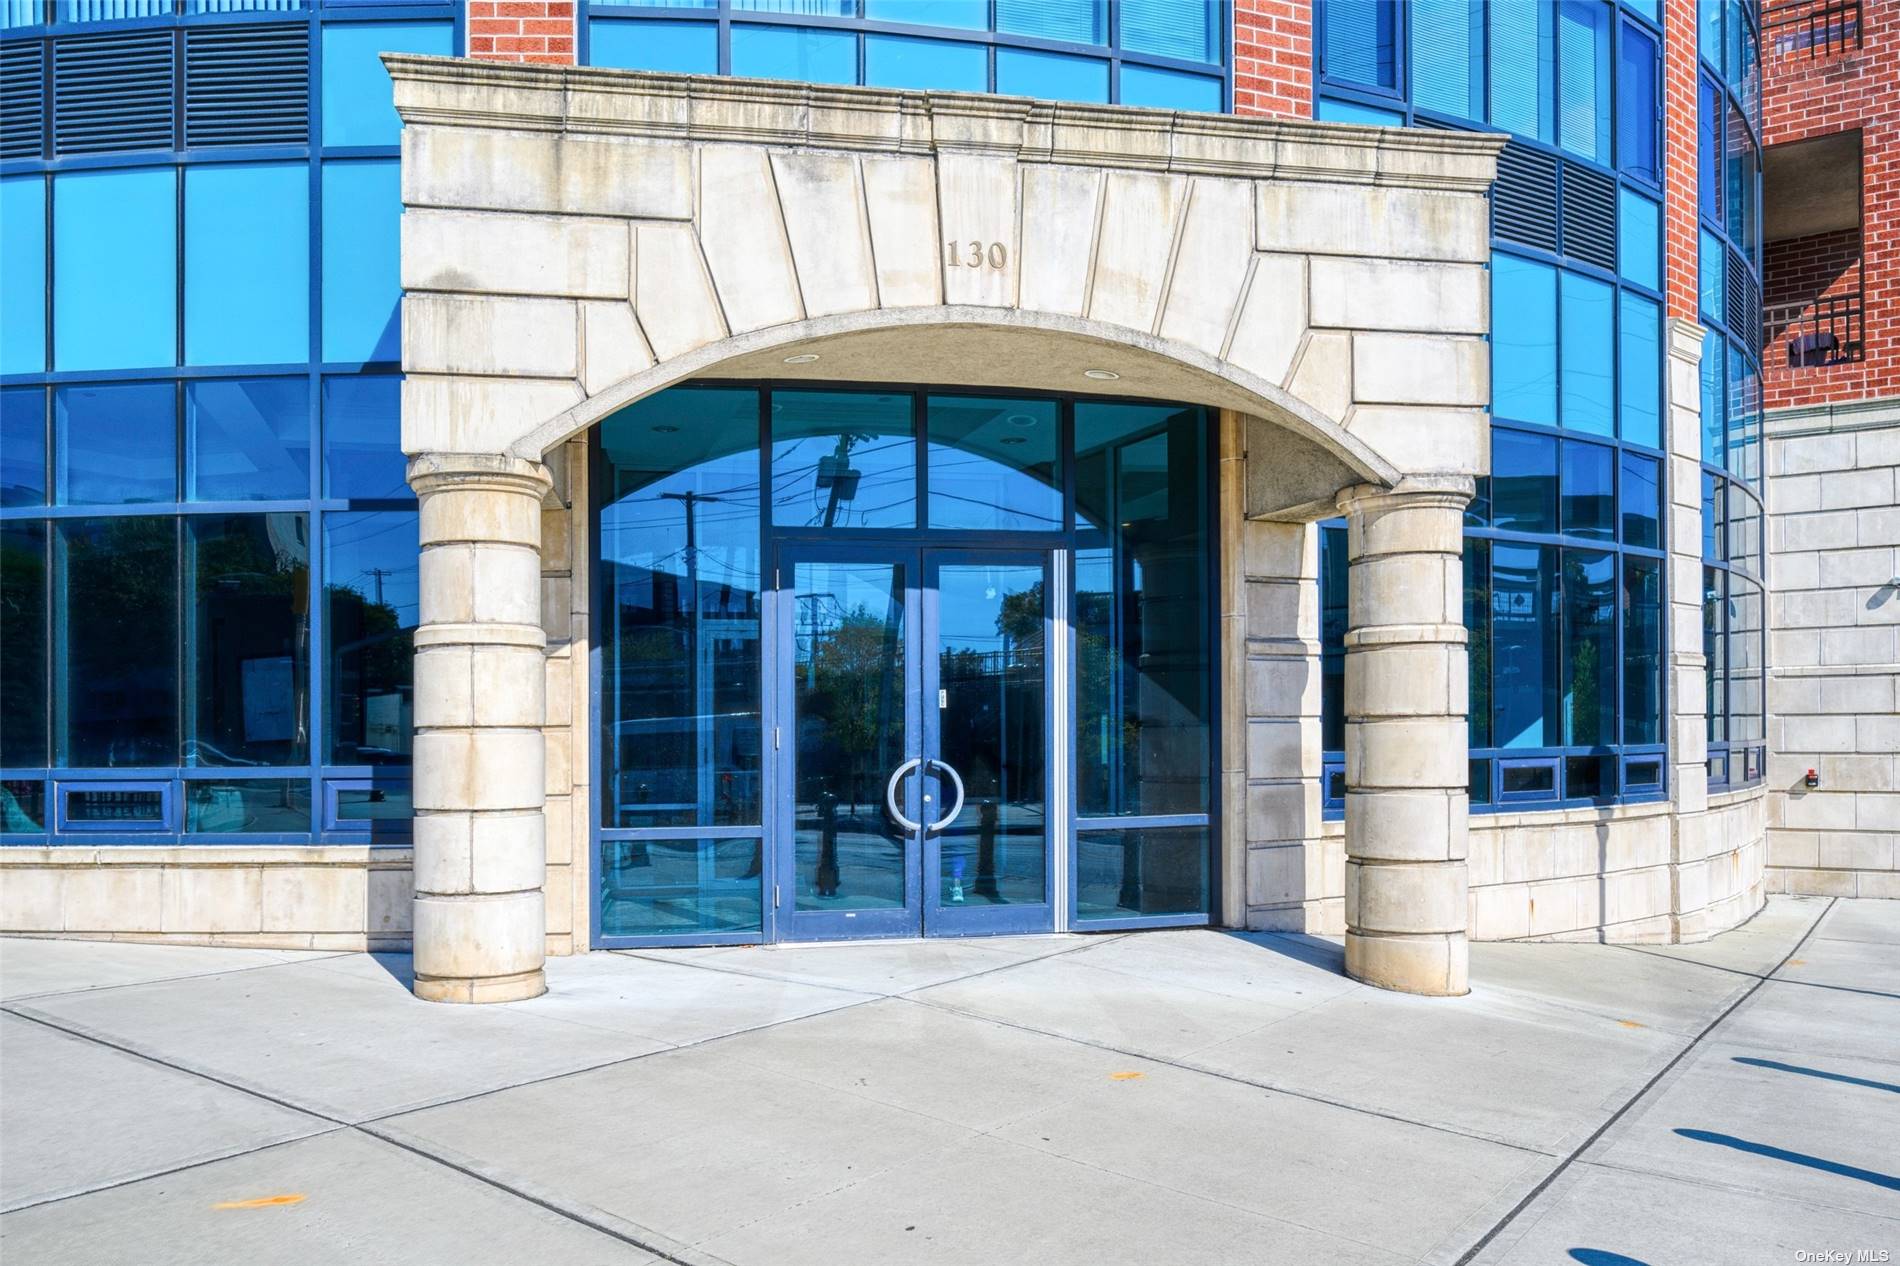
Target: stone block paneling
(329,897)
(1834,651)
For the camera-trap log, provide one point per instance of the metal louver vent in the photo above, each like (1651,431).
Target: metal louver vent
(1524,200)
(22,99)
(1739,304)
(1590,216)
(113,92)
(247,85)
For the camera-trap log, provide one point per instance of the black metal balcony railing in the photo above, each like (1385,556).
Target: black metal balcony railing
(1817,27)
(1821,332)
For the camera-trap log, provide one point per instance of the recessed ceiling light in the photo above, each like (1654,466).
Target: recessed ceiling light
(665,428)
(1019,419)
(1101,375)
(803,358)
(1012,439)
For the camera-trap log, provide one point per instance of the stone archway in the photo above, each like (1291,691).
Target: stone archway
(574,239)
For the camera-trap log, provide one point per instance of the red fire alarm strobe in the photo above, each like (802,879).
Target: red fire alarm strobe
(1812,780)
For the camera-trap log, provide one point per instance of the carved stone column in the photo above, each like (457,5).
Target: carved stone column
(1406,745)
(481,699)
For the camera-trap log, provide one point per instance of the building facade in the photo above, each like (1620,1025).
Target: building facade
(1831,81)
(769,471)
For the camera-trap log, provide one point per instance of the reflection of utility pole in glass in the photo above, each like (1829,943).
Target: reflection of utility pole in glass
(698,683)
(835,473)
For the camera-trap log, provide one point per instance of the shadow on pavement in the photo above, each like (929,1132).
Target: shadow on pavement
(1794,1158)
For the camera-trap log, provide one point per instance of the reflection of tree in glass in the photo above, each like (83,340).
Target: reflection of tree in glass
(847,684)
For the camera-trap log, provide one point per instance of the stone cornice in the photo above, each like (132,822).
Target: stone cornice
(593,101)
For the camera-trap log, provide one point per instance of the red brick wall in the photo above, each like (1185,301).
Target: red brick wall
(1680,232)
(1273,57)
(522,31)
(1817,96)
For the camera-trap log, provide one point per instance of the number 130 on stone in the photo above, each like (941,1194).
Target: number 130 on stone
(975,255)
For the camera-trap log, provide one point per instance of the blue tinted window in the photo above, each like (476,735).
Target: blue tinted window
(1524,644)
(971,14)
(1169,89)
(1640,363)
(362,286)
(1523,61)
(115,444)
(1188,29)
(689,48)
(795,52)
(803,8)
(1709,148)
(1523,340)
(843,459)
(115,272)
(1327,110)
(1650,9)
(1712,270)
(1639,239)
(247,263)
(1358,43)
(1589,320)
(115,621)
(247,642)
(1077,21)
(247,440)
(1637,106)
(898,61)
(1583,78)
(23,263)
(358,102)
(23,446)
(1448,56)
(1052,75)
(1642,650)
(362,438)
(1523,481)
(1588,502)
(1714,399)
(1589,639)
(371,583)
(1641,501)
(1709,31)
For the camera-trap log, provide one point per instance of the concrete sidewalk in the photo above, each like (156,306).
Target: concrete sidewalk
(1163,1097)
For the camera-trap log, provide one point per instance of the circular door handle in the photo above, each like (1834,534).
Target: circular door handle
(890,793)
(956,782)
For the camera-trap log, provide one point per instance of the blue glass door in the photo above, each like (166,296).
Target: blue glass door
(853,805)
(987,699)
(913,731)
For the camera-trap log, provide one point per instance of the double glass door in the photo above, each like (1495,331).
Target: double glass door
(913,748)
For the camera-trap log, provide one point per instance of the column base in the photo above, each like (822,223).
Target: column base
(1437,965)
(516,988)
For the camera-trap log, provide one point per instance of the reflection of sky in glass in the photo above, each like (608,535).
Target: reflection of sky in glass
(683,460)
(992,463)
(843,459)
(972,603)
(375,553)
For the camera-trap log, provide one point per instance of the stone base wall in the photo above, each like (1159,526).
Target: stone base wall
(1834,649)
(331,897)
(1573,874)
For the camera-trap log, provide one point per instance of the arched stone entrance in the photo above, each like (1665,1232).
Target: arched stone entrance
(574,240)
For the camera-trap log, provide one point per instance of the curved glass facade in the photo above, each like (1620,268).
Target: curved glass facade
(1169,53)
(1565,541)
(210,551)
(1729,256)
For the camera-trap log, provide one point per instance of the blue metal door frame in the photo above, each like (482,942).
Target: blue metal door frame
(941,919)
